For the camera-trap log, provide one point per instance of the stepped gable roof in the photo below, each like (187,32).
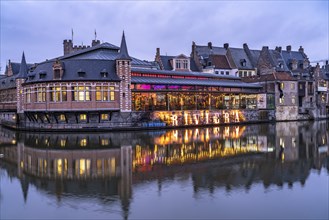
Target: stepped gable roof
(219,61)
(238,56)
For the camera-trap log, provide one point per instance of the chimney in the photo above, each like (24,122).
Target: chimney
(289,48)
(327,62)
(157,52)
(301,49)
(226,45)
(95,42)
(209,45)
(279,49)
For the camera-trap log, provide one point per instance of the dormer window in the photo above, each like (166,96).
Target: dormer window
(58,70)
(181,63)
(243,62)
(42,74)
(81,73)
(280,65)
(104,73)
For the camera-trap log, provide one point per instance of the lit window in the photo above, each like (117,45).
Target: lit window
(28,95)
(281,100)
(292,86)
(104,142)
(63,142)
(282,86)
(41,94)
(83,142)
(83,117)
(81,93)
(104,116)
(62,117)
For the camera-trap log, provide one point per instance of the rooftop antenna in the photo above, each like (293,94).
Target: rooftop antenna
(95,35)
(72,34)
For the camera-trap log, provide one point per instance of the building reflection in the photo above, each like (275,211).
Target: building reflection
(107,166)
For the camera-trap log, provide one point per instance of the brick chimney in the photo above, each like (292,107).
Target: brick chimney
(289,48)
(95,42)
(301,49)
(279,49)
(226,45)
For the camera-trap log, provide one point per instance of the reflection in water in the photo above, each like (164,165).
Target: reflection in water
(106,166)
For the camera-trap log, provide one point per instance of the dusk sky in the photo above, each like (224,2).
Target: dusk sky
(39,27)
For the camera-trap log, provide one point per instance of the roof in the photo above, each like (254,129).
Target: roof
(219,61)
(205,51)
(239,55)
(89,70)
(197,82)
(186,73)
(23,68)
(281,76)
(8,82)
(123,54)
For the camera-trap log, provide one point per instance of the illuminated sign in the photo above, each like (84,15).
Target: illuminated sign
(183,118)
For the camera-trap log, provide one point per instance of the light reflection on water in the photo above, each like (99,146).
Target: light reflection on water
(256,171)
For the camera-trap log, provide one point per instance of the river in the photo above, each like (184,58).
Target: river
(258,171)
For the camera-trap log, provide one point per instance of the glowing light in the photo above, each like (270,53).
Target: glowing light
(174,120)
(226,117)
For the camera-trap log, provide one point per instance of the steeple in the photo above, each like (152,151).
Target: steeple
(23,68)
(123,53)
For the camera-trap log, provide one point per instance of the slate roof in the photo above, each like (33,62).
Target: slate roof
(298,56)
(197,82)
(8,82)
(238,55)
(92,71)
(123,53)
(205,51)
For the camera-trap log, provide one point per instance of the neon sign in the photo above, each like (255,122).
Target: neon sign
(185,118)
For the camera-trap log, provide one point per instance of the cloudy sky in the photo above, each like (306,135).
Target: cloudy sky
(39,27)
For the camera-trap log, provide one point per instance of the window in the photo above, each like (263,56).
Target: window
(62,117)
(83,142)
(28,95)
(105,93)
(57,74)
(282,86)
(293,99)
(104,116)
(81,93)
(281,100)
(216,72)
(181,64)
(245,73)
(83,117)
(41,94)
(58,94)
(292,86)
(227,72)
(222,72)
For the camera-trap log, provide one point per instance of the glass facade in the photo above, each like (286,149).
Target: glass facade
(164,98)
